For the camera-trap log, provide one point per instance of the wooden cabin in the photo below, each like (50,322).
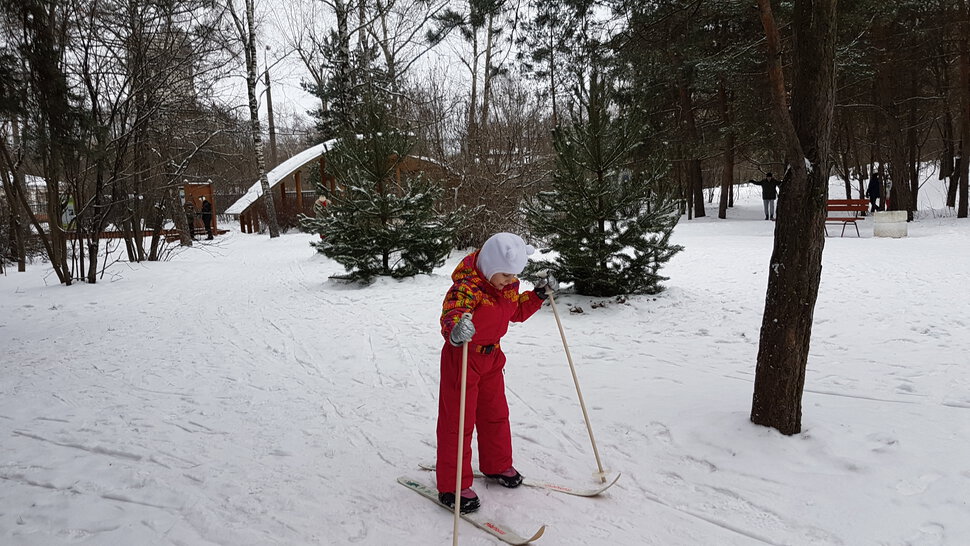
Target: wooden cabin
(294,195)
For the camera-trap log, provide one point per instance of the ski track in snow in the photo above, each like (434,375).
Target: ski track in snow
(239,396)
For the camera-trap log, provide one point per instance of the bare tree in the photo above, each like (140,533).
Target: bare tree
(247,35)
(305,32)
(146,69)
(389,35)
(488,28)
(397,30)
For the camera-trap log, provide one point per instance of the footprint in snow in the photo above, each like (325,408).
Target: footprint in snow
(929,534)
(915,486)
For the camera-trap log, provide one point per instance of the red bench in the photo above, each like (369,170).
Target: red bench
(851,209)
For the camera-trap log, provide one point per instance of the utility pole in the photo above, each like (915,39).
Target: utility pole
(269,114)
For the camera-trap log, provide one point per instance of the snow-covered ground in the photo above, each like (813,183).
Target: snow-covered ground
(234,395)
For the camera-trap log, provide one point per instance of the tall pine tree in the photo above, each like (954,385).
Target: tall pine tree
(381,220)
(606,217)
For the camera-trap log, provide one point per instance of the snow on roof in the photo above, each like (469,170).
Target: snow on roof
(428,160)
(280,172)
(33,181)
(287,168)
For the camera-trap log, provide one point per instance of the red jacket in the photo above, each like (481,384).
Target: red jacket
(492,310)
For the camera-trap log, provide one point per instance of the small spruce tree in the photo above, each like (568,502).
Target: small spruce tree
(380,220)
(606,216)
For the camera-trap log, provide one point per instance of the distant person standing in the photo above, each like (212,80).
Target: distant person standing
(874,191)
(190,217)
(207,217)
(769,192)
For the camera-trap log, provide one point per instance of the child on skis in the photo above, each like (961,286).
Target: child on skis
(485,284)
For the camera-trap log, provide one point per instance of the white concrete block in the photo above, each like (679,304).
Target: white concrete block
(890,223)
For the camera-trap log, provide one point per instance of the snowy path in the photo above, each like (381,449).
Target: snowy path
(236,396)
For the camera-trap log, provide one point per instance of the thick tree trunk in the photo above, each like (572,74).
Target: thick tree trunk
(696,184)
(93,242)
(727,180)
(844,166)
(854,147)
(964,110)
(947,164)
(158,220)
(57,233)
(887,83)
(695,176)
(683,185)
(16,236)
(900,197)
(912,146)
(18,225)
(796,262)
(97,212)
(943,90)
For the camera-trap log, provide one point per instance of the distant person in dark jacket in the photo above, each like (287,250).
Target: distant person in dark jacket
(769,192)
(874,191)
(207,217)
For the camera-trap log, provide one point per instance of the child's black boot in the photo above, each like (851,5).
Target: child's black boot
(469,501)
(510,478)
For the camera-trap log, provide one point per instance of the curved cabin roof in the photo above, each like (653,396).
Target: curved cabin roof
(298,161)
(278,173)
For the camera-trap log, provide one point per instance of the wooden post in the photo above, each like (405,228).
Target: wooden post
(282,193)
(242,223)
(299,189)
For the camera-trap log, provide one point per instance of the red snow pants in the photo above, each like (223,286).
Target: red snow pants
(485,409)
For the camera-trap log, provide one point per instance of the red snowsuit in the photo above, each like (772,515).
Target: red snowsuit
(485,405)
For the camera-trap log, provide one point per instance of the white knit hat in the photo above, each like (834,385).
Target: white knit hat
(503,253)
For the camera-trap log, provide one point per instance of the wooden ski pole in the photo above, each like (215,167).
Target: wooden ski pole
(601,474)
(461,435)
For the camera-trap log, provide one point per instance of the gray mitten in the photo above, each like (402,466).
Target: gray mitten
(547,284)
(463,332)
